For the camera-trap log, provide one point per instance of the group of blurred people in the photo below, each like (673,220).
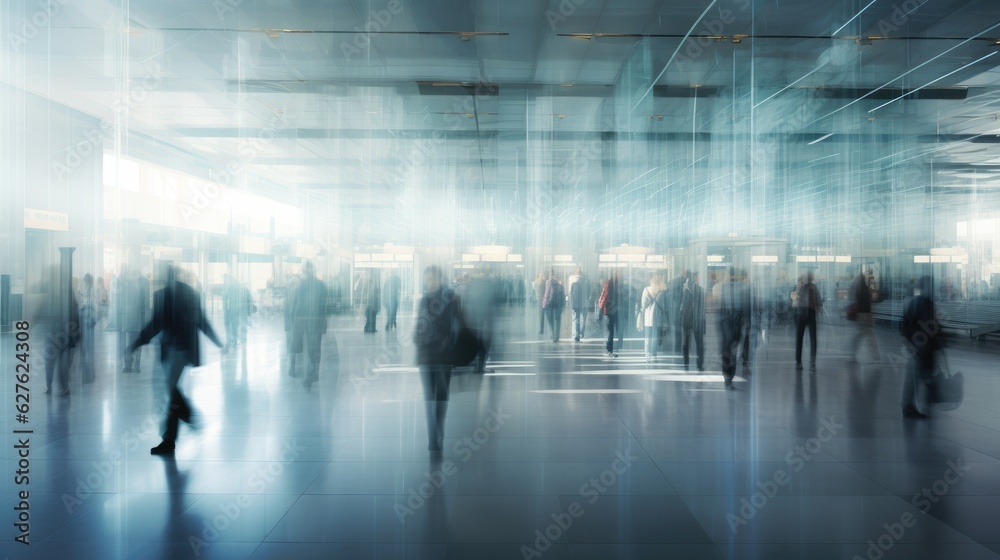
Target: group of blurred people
(372,298)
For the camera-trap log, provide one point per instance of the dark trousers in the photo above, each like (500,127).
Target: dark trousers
(612,324)
(915,377)
(731,335)
(177,407)
(699,339)
(370,314)
(541,319)
(806,319)
(555,321)
(311,343)
(58,357)
(390,317)
(436,380)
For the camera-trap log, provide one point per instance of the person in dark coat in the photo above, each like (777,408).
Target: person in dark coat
(61,329)
(309,308)
(293,344)
(693,320)
(479,305)
(809,305)
(922,330)
(862,296)
(438,321)
(391,290)
(367,292)
(178,315)
(734,319)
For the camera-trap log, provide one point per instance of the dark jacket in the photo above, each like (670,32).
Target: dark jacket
(862,295)
(309,306)
(178,314)
(438,322)
(693,307)
(920,325)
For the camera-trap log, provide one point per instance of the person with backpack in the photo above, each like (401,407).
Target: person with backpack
(920,327)
(609,304)
(554,302)
(579,302)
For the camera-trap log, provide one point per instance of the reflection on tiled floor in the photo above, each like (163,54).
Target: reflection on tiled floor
(559,453)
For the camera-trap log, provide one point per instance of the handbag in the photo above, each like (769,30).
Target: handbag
(945,388)
(464,349)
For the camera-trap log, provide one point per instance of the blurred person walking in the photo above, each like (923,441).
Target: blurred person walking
(809,304)
(309,310)
(438,321)
(479,306)
(391,290)
(293,344)
(610,306)
(861,309)
(580,301)
(920,327)
(237,307)
(87,298)
(554,302)
(648,312)
(540,284)
(59,320)
(734,317)
(693,320)
(103,301)
(179,316)
(367,290)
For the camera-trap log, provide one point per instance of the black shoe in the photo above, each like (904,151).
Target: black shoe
(308,383)
(163,449)
(48,390)
(798,366)
(64,392)
(912,412)
(812,367)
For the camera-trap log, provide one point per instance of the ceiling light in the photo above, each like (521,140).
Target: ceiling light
(820,139)
(273,33)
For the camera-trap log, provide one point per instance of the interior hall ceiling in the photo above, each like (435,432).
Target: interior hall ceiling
(491,95)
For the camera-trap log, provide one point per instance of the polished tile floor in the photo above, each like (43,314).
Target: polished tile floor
(559,453)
